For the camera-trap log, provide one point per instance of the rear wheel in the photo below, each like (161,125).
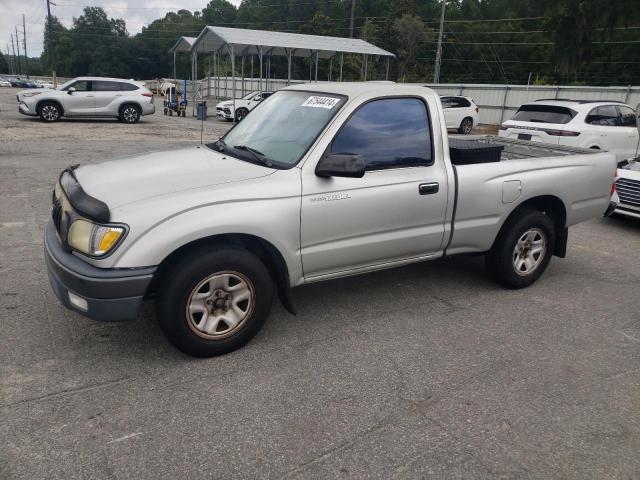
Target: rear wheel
(215,300)
(49,111)
(129,114)
(522,250)
(466,126)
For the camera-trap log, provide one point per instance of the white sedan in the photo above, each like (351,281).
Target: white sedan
(460,113)
(4,83)
(607,125)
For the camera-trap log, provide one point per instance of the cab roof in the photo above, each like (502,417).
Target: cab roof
(355,89)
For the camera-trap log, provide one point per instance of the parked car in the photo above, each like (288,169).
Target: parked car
(89,97)
(243,106)
(19,83)
(318,182)
(460,113)
(4,82)
(628,189)
(579,123)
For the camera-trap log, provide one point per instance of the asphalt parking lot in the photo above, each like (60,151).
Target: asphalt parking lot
(427,371)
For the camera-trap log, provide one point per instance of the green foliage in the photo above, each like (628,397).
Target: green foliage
(554,41)
(4,66)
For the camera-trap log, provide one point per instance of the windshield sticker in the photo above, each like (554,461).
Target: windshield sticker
(321,102)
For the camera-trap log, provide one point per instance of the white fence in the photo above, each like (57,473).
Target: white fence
(497,102)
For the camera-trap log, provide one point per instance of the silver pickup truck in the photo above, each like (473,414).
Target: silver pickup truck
(317,182)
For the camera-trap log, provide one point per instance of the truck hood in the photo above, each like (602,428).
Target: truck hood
(120,182)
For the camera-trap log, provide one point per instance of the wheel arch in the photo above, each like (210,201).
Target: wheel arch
(129,102)
(551,206)
(50,100)
(263,249)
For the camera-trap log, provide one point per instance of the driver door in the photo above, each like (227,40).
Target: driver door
(81,101)
(395,212)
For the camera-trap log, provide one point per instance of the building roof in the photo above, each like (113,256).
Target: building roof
(212,38)
(183,44)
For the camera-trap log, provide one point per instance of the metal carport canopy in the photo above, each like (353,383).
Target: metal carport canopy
(184,44)
(246,41)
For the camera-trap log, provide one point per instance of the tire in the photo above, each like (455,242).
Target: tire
(49,111)
(466,126)
(165,111)
(206,328)
(511,262)
(241,113)
(184,113)
(129,114)
(170,113)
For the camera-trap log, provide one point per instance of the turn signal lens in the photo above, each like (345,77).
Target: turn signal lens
(92,239)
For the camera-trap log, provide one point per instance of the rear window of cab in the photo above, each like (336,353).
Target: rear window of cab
(544,114)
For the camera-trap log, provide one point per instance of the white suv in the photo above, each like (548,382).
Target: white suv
(244,105)
(602,125)
(460,113)
(89,97)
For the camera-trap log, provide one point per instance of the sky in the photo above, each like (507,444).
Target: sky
(136,13)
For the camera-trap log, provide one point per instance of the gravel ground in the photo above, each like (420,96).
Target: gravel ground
(424,371)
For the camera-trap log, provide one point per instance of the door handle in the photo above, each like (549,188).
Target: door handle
(428,188)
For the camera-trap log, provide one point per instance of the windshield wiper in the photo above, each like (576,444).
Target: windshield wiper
(220,145)
(257,154)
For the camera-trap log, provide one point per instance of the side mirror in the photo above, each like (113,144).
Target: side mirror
(70,90)
(341,165)
(623,163)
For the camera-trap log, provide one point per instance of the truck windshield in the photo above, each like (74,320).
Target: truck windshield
(282,127)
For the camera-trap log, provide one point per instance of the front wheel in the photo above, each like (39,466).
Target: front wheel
(522,250)
(214,301)
(241,113)
(49,112)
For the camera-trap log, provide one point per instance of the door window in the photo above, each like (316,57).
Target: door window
(627,117)
(388,133)
(81,86)
(127,87)
(606,115)
(105,86)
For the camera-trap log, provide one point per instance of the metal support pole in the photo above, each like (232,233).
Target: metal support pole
(387,75)
(288,67)
(260,53)
(626,97)
(242,71)
(366,58)
(251,72)
(341,63)
(174,65)
(330,68)
(316,66)
(233,78)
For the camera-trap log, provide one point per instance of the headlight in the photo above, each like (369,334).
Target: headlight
(93,239)
(31,94)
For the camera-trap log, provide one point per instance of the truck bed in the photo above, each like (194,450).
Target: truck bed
(518,149)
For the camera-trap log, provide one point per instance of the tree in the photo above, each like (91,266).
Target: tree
(4,67)
(219,12)
(411,35)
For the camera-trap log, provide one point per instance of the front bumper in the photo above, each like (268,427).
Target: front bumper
(23,108)
(105,294)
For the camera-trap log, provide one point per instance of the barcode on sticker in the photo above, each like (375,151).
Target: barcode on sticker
(321,102)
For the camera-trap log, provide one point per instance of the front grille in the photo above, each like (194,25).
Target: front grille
(56,213)
(628,191)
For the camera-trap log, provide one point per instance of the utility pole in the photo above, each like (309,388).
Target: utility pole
(50,39)
(24,37)
(353,14)
(436,73)
(16,63)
